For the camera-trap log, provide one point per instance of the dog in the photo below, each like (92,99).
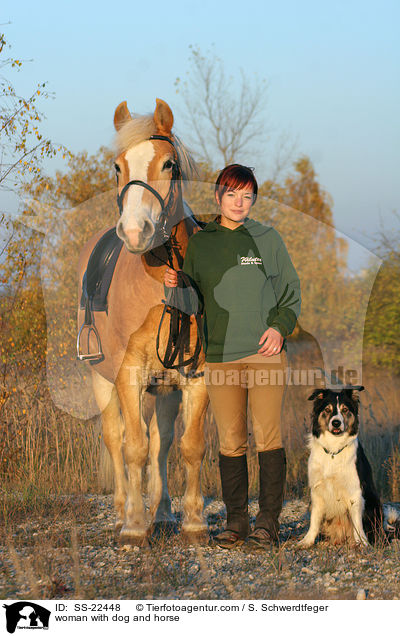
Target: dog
(345,505)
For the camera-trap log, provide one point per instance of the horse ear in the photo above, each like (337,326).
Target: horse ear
(121,115)
(163,117)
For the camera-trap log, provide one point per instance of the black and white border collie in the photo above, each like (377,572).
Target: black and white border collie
(345,505)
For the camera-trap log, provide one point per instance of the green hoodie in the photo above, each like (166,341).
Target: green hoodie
(246,282)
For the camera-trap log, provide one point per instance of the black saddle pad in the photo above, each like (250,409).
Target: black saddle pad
(100,269)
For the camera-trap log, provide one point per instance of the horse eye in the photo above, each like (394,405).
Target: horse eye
(167,165)
(344,409)
(117,168)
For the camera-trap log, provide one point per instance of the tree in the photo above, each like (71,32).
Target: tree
(302,212)
(22,151)
(69,225)
(382,325)
(302,191)
(22,146)
(224,121)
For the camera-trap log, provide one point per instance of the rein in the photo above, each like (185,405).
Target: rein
(179,336)
(179,326)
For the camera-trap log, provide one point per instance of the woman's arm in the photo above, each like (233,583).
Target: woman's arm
(283,316)
(286,284)
(183,291)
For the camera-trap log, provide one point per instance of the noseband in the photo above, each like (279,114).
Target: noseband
(165,204)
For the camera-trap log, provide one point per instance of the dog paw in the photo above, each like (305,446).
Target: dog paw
(306,542)
(362,542)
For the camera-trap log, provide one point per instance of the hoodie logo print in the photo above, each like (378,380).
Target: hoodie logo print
(250,260)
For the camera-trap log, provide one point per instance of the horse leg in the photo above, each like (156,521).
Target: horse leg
(161,437)
(195,401)
(113,430)
(135,450)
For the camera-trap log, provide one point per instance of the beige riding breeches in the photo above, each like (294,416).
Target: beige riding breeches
(254,381)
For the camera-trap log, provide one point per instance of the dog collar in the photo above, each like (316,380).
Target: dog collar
(331,453)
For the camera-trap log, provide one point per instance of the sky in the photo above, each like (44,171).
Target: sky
(332,71)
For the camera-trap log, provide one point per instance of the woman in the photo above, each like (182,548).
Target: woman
(251,296)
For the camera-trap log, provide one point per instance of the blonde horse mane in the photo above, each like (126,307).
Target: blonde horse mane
(139,129)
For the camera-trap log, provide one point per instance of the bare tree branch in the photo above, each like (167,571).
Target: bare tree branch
(224,119)
(22,147)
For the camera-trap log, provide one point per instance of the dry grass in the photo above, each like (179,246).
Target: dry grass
(73,555)
(45,451)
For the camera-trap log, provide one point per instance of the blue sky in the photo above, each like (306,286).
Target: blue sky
(332,71)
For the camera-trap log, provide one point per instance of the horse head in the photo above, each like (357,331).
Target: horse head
(149,170)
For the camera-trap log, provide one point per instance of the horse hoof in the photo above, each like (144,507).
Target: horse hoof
(137,540)
(195,538)
(117,527)
(163,530)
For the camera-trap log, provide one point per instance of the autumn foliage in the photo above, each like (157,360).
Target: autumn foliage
(38,290)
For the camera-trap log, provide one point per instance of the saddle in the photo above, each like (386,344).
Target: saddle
(96,282)
(100,269)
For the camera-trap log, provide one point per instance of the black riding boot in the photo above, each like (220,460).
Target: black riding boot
(234,482)
(272,484)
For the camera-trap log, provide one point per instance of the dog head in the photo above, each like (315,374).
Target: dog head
(335,412)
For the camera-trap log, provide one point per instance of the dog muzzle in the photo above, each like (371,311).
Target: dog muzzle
(336,426)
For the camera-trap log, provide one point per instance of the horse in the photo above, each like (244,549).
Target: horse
(151,167)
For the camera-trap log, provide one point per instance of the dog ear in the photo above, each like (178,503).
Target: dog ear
(354,393)
(318,394)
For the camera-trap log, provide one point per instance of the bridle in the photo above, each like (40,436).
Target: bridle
(166,203)
(179,328)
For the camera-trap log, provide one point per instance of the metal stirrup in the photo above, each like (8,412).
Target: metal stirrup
(88,324)
(99,355)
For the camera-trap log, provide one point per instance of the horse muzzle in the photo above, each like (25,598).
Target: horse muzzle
(137,240)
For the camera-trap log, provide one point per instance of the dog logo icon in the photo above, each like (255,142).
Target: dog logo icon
(26,615)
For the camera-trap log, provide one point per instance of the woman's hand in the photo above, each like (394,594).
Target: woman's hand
(273,342)
(170,278)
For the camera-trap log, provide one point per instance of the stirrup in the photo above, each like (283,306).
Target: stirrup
(89,356)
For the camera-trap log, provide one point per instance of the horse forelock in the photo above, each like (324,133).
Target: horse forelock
(141,128)
(134,131)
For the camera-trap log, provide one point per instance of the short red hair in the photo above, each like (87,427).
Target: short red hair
(235,177)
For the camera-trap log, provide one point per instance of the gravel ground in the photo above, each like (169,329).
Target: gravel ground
(75,555)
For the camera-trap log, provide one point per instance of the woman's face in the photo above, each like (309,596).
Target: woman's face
(235,205)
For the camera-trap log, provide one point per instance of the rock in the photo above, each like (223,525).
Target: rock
(171,570)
